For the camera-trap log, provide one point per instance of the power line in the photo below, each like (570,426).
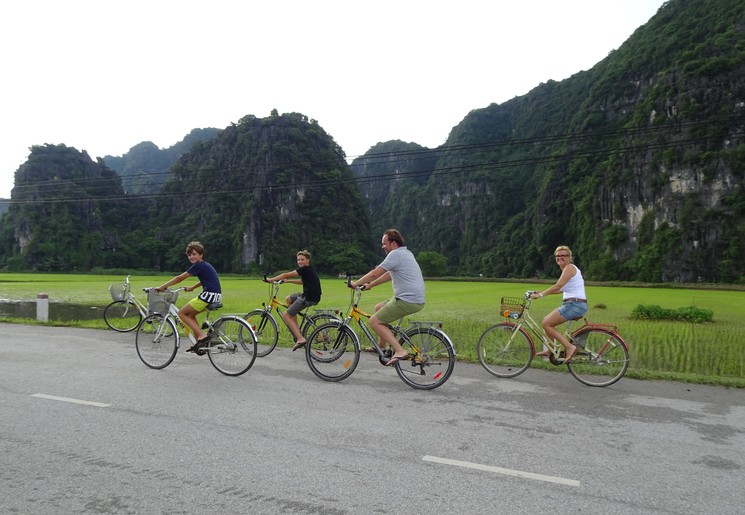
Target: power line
(451,151)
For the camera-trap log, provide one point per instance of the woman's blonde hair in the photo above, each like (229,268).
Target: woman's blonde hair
(564,247)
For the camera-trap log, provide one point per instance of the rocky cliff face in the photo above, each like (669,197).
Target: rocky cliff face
(637,164)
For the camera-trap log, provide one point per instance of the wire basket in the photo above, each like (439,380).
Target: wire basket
(117,293)
(512,307)
(158,302)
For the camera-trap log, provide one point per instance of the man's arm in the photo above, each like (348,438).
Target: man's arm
(377,275)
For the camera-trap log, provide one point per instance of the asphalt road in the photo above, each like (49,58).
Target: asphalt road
(85,427)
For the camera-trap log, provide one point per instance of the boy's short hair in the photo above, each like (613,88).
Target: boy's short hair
(304,253)
(195,246)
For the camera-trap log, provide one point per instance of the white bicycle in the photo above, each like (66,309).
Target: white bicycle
(232,349)
(126,312)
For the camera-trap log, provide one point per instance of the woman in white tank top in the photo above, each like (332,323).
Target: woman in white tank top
(574,305)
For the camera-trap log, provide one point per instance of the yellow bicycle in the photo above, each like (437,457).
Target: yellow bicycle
(265,325)
(333,349)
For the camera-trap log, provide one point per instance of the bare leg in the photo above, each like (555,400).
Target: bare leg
(386,335)
(291,321)
(189,315)
(381,341)
(550,324)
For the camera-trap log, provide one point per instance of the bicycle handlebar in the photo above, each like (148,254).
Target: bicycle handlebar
(147,290)
(361,287)
(273,282)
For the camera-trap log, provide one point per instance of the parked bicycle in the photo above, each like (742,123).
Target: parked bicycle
(333,349)
(232,349)
(507,349)
(126,312)
(265,324)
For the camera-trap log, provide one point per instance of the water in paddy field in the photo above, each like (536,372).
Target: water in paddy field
(57,310)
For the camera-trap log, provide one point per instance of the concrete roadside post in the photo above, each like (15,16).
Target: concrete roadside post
(42,307)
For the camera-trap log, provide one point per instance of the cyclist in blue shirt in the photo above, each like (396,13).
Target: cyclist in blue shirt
(211,293)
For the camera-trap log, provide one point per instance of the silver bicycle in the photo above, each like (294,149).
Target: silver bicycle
(232,349)
(126,312)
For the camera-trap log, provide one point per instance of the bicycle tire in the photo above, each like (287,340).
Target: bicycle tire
(431,358)
(333,351)
(505,350)
(122,316)
(157,341)
(602,357)
(311,322)
(266,330)
(232,348)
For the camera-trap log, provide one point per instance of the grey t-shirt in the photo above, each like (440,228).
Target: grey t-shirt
(406,276)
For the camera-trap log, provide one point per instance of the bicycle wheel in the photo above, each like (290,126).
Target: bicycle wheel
(431,358)
(232,349)
(333,351)
(505,350)
(602,357)
(122,316)
(266,330)
(157,341)
(311,322)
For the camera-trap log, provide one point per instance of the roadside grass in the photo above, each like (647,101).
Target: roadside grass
(706,353)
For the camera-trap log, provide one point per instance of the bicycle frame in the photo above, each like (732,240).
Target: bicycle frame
(173,313)
(129,296)
(125,312)
(277,305)
(231,347)
(358,315)
(506,349)
(526,320)
(334,348)
(142,308)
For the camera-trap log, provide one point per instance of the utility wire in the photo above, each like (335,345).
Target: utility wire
(452,151)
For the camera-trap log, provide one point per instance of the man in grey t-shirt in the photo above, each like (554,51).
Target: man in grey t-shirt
(400,267)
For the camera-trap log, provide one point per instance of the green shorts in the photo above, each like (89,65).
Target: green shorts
(198,304)
(396,309)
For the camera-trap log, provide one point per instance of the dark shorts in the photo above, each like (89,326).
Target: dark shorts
(298,304)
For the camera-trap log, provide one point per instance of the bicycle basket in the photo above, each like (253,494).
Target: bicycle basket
(512,307)
(117,293)
(158,302)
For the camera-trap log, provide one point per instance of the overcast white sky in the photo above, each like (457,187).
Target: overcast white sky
(105,75)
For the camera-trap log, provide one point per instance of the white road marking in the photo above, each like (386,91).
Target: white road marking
(67,399)
(499,470)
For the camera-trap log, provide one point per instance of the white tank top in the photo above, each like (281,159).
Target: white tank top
(575,287)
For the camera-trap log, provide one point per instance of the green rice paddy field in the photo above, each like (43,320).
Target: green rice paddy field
(704,353)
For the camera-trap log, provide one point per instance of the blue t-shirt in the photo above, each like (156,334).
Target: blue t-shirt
(207,275)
